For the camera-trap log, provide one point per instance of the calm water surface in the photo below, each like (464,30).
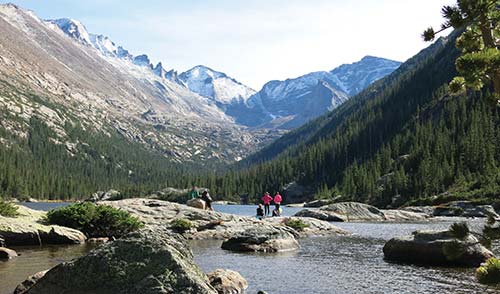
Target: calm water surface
(352,264)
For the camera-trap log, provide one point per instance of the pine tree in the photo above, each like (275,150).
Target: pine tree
(479,63)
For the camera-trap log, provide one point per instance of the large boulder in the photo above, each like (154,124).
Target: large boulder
(150,261)
(205,224)
(434,247)
(227,281)
(196,203)
(262,240)
(6,253)
(357,212)
(464,209)
(29,229)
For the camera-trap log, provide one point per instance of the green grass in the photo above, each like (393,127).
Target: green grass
(181,225)
(296,224)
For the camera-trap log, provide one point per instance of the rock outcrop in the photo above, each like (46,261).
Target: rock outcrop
(28,229)
(227,281)
(205,224)
(436,248)
(455,208)
(358,212)
(318,203)
(152,260)
(261,240)
(29,282)
(6,253)
(313,226)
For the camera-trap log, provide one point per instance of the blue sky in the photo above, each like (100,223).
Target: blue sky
(255,41)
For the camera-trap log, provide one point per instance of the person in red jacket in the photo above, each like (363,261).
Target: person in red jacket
(266,199)
(277,201)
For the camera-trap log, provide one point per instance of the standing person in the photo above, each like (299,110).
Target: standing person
(277,202)
(193,194)
(260,212)
(266,199)
(205,196)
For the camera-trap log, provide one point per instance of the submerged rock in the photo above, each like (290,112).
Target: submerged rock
(262,240)
(227,281)
(6,253)
(28,229)
(146,261)
(432,248)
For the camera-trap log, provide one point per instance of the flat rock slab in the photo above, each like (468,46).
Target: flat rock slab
(430,248)
(314,227)
(28,229)
(147,261)
(359,212)
(206,224)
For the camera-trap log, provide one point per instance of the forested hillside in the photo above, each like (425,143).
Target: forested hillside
(34,163)
(404,139)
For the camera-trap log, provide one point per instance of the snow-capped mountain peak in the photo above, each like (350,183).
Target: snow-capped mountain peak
(215,85)
(74,29)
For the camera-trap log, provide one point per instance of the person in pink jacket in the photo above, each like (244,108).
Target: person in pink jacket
(277,201)
(266,199)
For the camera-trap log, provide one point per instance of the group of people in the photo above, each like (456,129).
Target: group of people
(266,200)
(205,196)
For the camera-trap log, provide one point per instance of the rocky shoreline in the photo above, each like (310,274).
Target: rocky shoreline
(104,269)
(163,257)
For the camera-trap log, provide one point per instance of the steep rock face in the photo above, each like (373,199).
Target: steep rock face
(147,261)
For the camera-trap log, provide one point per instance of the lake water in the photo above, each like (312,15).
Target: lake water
(343,265)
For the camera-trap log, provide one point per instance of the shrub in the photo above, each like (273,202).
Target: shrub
(8,209)
(489,273)
(95,220)
(460,230)
(296,224)
(181,225)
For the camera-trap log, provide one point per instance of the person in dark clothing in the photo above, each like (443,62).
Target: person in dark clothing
(260,212)
(205,196)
